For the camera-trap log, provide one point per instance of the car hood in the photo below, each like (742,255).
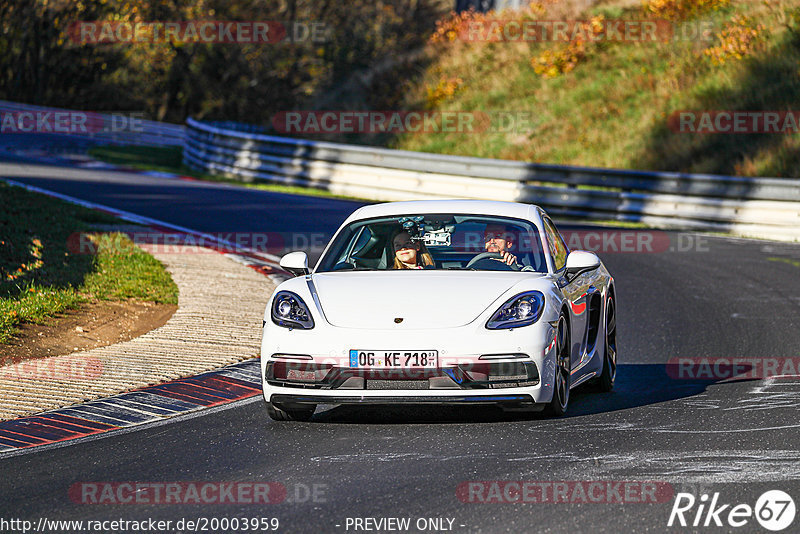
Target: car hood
(422,299)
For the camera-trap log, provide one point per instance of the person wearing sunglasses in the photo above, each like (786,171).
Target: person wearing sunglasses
(497,238)
(409,253)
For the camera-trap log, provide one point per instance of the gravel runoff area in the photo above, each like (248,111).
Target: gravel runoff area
(218,322)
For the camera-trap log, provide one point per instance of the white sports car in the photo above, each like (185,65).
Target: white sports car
(440,301)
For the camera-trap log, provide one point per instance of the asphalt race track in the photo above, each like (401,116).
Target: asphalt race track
(707,297)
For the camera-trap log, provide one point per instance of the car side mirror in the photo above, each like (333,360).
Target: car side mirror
(580,261)
(296,263)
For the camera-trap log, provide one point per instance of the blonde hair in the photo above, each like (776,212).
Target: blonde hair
(423,253)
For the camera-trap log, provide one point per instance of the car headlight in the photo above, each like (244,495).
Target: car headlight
(289,311)
(521,310)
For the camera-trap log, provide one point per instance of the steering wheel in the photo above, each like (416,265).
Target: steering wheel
(492,256)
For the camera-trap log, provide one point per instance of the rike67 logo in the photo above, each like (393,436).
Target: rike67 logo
(774,510)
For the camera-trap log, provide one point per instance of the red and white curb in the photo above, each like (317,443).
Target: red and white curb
(153,403)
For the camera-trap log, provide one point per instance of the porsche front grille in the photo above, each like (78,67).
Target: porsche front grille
(494,375)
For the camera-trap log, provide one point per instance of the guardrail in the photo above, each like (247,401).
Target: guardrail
(758,207)
(100,127)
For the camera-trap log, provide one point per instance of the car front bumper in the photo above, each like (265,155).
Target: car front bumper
(320,372)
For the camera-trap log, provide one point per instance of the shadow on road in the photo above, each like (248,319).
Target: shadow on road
(636,386)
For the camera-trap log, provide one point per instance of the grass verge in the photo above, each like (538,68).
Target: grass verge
(43,272)
(601,101)
(790,261)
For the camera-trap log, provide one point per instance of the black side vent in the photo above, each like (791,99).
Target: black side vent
(595,308)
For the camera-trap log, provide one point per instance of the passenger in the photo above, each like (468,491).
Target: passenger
(497,238)
(408,253)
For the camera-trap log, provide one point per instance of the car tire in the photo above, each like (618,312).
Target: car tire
(561,381)
(303,413)
(605,382)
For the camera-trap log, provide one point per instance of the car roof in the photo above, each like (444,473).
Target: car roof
(480,207)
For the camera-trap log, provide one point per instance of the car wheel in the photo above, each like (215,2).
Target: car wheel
(558,405)
(609,374)
(283,413)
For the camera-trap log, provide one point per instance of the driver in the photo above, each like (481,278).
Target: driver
(497,238)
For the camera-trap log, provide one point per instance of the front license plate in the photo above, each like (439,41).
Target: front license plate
(393,359)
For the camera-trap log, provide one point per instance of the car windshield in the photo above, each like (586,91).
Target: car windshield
(436,241)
